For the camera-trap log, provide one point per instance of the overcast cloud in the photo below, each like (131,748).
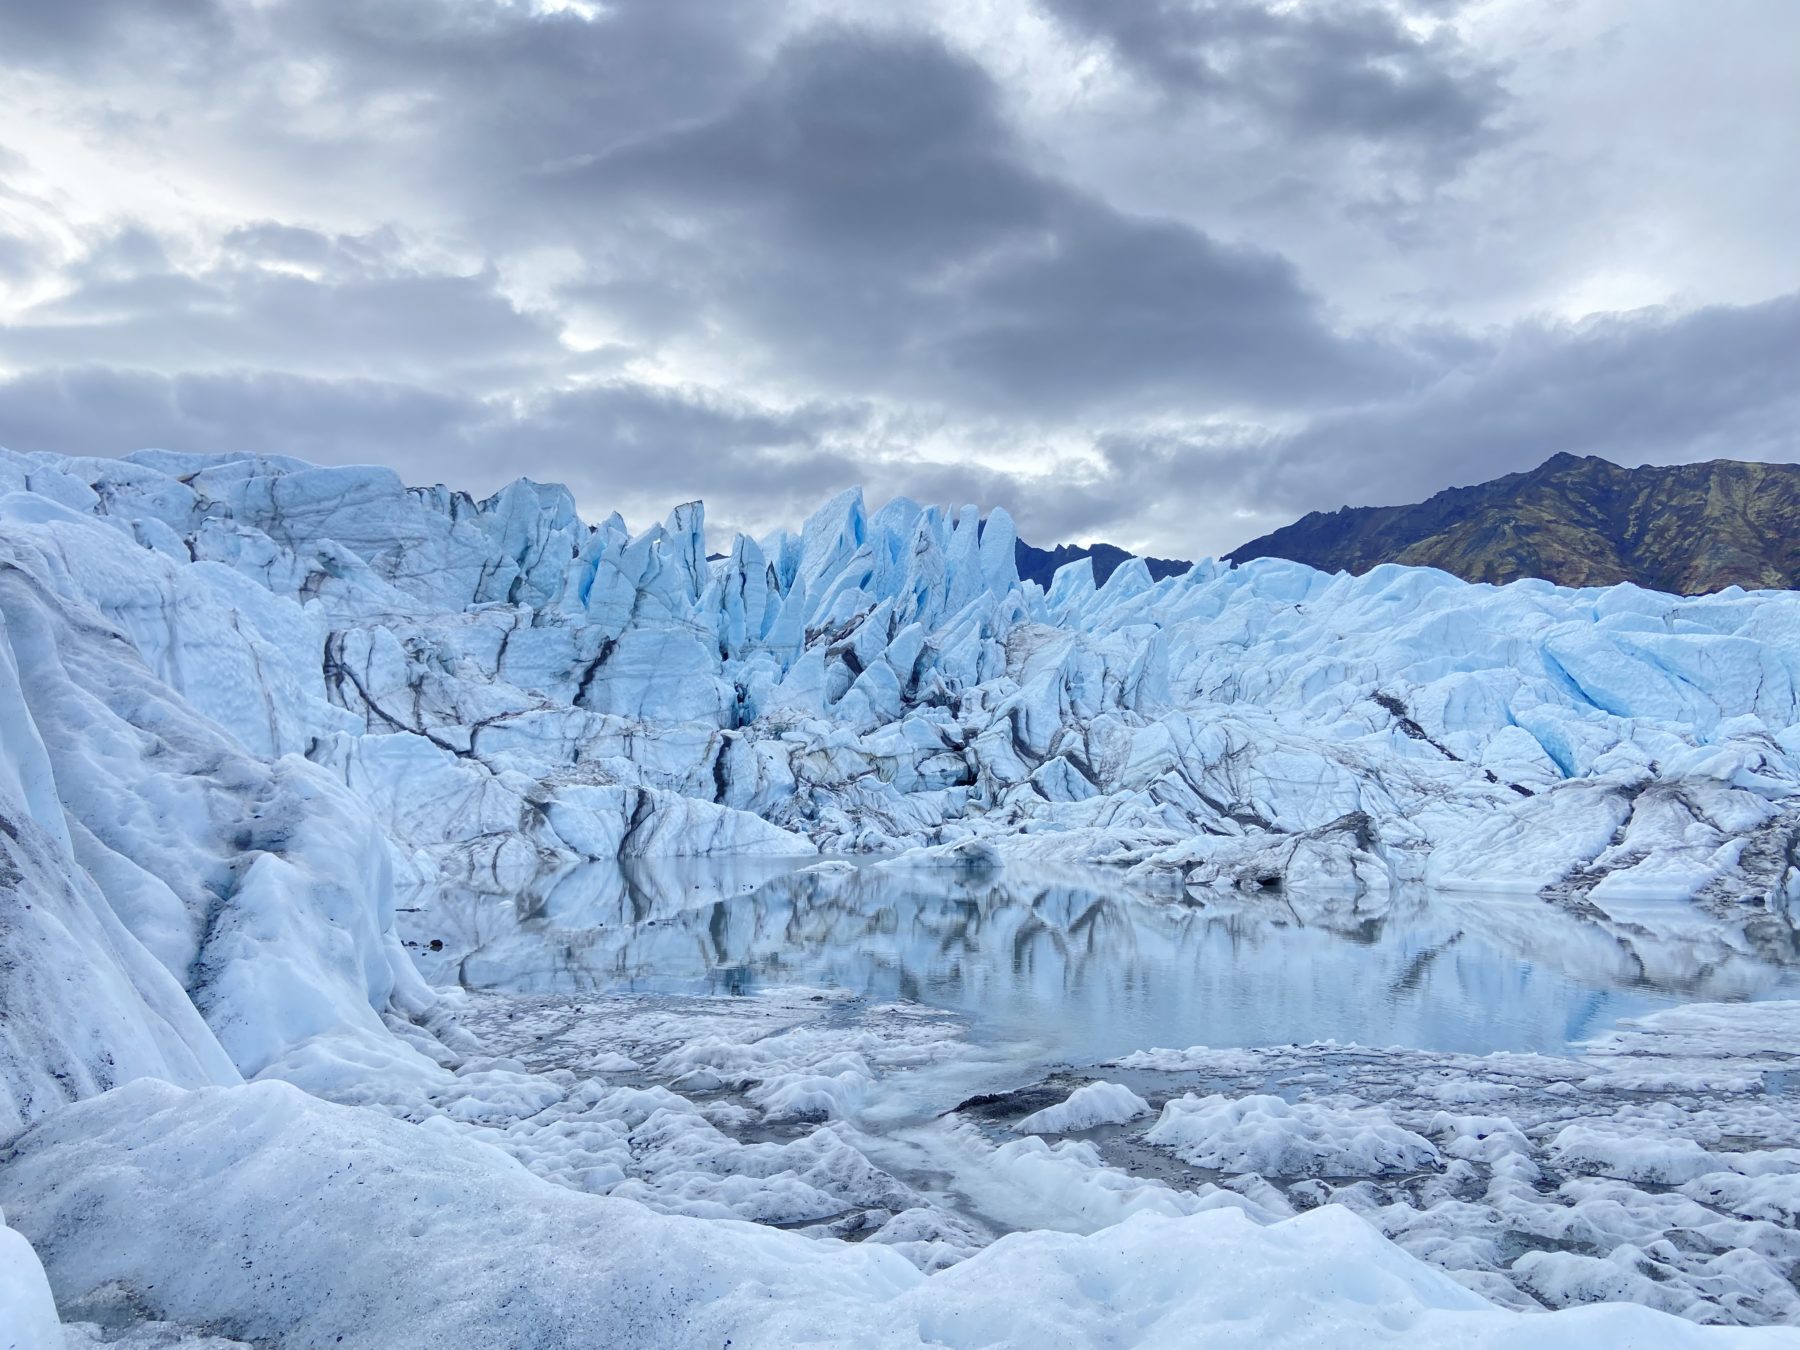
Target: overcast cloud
(1164,272)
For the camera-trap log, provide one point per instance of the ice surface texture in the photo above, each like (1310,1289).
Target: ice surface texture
(245,703)
(407,1246)
(1659,1166)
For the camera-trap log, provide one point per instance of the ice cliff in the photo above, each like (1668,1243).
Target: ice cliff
(246,703)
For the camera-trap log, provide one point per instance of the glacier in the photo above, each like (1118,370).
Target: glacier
(254,713)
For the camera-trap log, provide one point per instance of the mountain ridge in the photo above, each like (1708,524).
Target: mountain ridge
(1040,564)
(1687,529)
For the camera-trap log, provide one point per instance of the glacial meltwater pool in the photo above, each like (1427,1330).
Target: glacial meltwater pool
(1078,967)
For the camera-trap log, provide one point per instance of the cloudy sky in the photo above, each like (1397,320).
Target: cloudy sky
(1164,272)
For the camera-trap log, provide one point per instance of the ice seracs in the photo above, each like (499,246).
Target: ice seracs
(548,691)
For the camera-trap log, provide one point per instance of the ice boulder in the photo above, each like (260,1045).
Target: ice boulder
(1267,1135)
(1087,1106)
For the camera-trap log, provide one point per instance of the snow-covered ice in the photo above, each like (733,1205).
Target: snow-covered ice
(320,803)
(1087,1106)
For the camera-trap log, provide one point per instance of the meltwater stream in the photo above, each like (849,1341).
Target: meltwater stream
(1077,967)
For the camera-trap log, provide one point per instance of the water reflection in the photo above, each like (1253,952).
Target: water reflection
(1091,969)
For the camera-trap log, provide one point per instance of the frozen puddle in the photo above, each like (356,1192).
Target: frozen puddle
(1557,1107)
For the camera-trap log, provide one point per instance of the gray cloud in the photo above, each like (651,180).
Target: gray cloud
(363,308)
(641,449)
(18,257)
(1340,71)
(104,411)
(92,34)
(459,106)
(868,217)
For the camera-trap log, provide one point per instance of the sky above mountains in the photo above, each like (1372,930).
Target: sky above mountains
(1166,272)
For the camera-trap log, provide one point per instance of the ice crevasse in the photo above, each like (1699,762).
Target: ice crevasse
(247,702)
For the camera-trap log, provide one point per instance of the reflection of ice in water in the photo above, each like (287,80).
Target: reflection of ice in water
(1087,968)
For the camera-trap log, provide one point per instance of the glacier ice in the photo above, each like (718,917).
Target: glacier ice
(28,1315)
(252,709)
(512,690)
(1089,1105)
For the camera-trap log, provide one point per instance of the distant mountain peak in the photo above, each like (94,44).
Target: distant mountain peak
(1577,520)
(1040,564)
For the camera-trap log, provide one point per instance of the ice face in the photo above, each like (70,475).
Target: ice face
(250,707)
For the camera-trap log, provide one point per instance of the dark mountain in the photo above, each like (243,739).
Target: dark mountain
(1039,565)
(1578,521)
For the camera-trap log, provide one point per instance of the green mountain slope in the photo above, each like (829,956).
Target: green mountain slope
(1578,521)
